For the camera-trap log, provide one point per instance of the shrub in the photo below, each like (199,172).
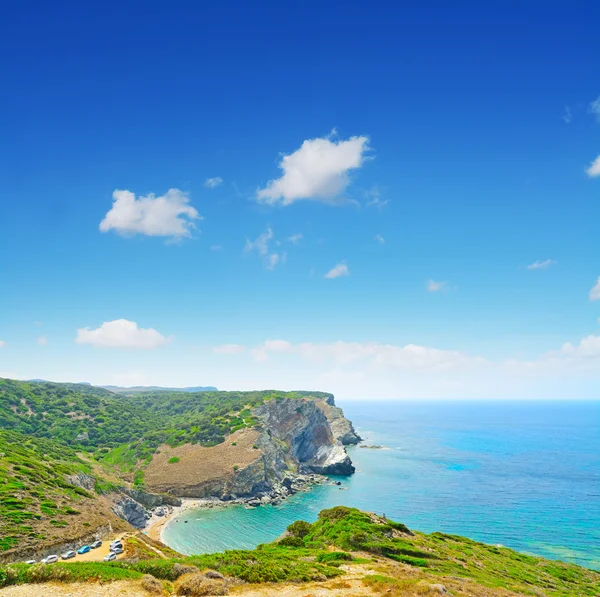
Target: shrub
(151,585)
(236,467)
(334,557)
(300,528)
(181,569)
(173,460)
(197,585)
(291,542)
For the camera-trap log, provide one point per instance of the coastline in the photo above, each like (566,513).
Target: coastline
(156,524)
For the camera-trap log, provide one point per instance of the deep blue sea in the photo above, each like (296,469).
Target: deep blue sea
(522,474)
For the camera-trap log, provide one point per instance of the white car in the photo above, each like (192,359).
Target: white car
(68,555)
(111,556)
(50,559)
(30,562)
(116,546)
(117,549)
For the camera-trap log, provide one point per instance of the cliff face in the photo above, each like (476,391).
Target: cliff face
(342,428)
(293,436)
(301,428)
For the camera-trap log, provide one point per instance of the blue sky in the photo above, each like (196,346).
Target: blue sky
(336,196)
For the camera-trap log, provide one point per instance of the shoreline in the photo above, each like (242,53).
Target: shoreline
(156,525)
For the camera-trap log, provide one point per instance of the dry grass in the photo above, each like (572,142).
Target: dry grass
(198,465)
(151,585)
(197,585)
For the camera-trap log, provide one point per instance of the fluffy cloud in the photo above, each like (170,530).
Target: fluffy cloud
(42,340)
(319,170)
(2,343)
(121,333)
(380,239)
(295,238)
(261,246)
(168,215)
(541,264)
(595,292)
(433,286)
(341,269)
(211,183)
(594,169)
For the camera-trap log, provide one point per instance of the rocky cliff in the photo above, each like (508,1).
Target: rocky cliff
(341,427)
(293,440)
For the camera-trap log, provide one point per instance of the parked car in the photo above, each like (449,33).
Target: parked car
(96,544)
(117,549)
(50,559)
(68,555)
(115,541)
(30,562)
(116,546)
(111,556)
(84,549)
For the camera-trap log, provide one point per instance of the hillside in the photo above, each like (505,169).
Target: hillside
(345,552)
(118,455)
(42,500)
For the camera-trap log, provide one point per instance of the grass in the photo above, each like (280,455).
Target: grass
(405,562)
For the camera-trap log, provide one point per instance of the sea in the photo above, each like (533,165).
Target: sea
(525,475)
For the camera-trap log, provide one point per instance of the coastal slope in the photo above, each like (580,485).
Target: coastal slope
(344,552)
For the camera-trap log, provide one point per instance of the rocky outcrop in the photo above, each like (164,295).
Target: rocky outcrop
(82,480)
(151,500)
(129,510)
(342,428)
(292,442)
(301,430)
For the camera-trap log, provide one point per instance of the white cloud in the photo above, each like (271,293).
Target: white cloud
(594,108)
(215,247)
(211,183)
(261,246)
(167,215)
(567,116)
(433,286)
(380,239)
(594,169)
(295,238)
(121,333)
(2,343)
(341,269)
(319,170)
(541,264)
(230,349)
(374,198)
(42,340)
(595,292)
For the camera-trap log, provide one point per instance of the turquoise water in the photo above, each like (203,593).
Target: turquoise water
(525,475)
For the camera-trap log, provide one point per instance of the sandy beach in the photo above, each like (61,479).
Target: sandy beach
(156,524)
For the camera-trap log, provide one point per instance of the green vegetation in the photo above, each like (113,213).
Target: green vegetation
(49,431)
(126,430)
(316,552)
(173,460)
(34,486)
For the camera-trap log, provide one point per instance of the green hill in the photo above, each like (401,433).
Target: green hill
(345,551)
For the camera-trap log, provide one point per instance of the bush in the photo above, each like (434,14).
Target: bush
(300,528)
(152,585)
(173,460)
(197,585)
(181,569)
(334,557)
(291,542)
